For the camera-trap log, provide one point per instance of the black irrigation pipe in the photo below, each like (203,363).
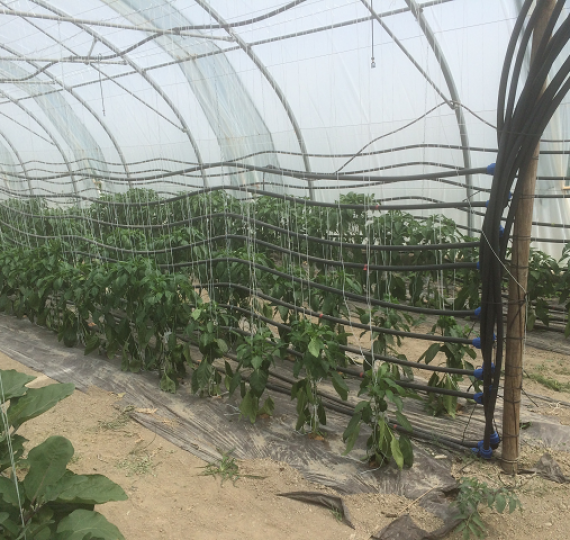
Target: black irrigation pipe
(345,408)
(257,223)
(390,150)
(403,384)
(254,240)
(261,192)
(417,433)
(289,277)
(309,284)
(362,352)
(336,320)
(291,173)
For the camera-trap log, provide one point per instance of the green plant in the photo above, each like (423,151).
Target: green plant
(472,494)
(255,354)
(226,468)
(383,444)
(49,501)
(384,344)
(319,356)
(455,354)
(206,320)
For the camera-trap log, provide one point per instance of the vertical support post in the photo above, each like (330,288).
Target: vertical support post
(516,315)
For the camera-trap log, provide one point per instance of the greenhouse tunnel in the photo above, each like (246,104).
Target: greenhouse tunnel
(312,174)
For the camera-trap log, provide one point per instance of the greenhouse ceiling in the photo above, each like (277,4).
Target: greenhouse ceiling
(311,97)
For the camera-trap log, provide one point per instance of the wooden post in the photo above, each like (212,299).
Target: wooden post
(516,315)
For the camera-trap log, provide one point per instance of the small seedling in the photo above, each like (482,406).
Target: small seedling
(472,493)
(226,468)
(138,464)
(119,421)
(337,515)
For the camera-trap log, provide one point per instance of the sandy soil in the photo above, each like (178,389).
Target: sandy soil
(169,498)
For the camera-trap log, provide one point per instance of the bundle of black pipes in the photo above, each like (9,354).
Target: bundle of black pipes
(522,116)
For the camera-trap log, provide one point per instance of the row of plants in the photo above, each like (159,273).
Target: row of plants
(120,226)
(195,228)
(150,318)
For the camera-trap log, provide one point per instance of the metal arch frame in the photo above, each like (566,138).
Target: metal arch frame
(22,164)
(448,76)
(49,134)
(273,83)
(144,75)
(82,101)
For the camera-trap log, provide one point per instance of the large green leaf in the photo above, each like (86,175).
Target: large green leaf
(315,346)
(8,493)
(17,450)
(84,489)
(339,385)
(13,384)
(47,463)
(37,401)
(83,524)
(396,452)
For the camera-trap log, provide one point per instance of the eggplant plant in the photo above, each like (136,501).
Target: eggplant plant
(49,501)
(319,356)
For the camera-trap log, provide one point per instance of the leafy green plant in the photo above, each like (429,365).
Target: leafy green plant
(226,468)
(206,320)
(384,444)
(455,357)
(49,501)
(254,354)
(472,494)
(320,355)
(543,279)
(384,344)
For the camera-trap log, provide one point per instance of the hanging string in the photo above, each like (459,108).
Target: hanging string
(101,87)
(372,61)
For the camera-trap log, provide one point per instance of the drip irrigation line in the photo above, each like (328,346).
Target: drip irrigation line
(314,285)
(254,191)
(361,352)
(359,266)
(301,175)
(275,152)
(337,320)
(261,224)
(347,409)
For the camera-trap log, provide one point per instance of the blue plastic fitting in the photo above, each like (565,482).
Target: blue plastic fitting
(501,230)
(478,398)
(481,452)
(478,312)
(491,169)
(478,373)
(495,440)
(478,266)
(477,341)
(487,204)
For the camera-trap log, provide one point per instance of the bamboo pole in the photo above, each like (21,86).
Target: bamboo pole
(516,314)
